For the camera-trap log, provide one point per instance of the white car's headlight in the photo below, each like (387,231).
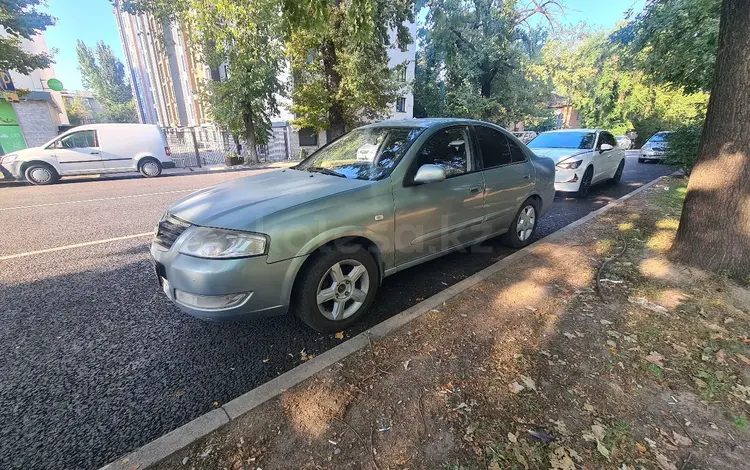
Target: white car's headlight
(9,158)
(569,164)
(207,242)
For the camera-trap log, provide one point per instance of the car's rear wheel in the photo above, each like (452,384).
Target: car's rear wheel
(149,167)
(618,173)
(524,225)
(337,288)
(583,188)
(41,173)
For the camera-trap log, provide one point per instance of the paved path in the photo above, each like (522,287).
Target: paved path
(96,362)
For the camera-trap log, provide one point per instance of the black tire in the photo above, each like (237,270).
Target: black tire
(583,189)
(304,301)
(35,171)
(511,237)
(618,173)
(150,167)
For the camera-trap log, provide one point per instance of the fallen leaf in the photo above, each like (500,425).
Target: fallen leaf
(531,309)
(561,428)
(647,304)
(681,440)
(520,458)
(721,357)
(603,450)
(339,335)
(562,458)
(528,382)
(214,403)
(588,407)
(515,387)
(494,465)
(655,358)
(611,343)
(605,322)
(406,364)
(598,431)
(569,335)
(512,438)
(640,448)
(744,359)
(664,462)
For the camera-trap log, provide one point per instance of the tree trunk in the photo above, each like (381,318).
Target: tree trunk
(336,121)
(714,231)
(250,143)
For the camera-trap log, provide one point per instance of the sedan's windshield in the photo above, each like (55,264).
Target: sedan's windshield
(368,153)
(660,137)
(563,140)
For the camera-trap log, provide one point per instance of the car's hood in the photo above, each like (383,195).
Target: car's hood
(238,204)
(31,151)
(558,155)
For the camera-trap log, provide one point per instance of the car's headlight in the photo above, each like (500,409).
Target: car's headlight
(9,158)
(569,165)
(207,242)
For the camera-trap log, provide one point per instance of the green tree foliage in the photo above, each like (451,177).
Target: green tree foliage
(79,112)
(591,71)
(243,38)
(338,50)
(479,60)
(103,74)
(683,146)
(250,49)
(675,41)
(21,19)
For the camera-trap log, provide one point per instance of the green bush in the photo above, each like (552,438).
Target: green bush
(682,150)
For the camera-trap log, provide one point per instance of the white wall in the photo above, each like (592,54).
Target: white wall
(395,57)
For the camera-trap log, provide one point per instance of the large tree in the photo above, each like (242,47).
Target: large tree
(485,58)
(714,231)
(242,38)
(104,74)
(338,50)
(21,19)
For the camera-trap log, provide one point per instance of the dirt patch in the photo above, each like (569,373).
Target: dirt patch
(533,368)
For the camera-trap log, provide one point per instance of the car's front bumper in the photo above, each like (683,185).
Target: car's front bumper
(568,180)
(12,171)
(267,284)
(650,155)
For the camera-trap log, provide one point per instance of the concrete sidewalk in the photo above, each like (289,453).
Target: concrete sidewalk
(547,359)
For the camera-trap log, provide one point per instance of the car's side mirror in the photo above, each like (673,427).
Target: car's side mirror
(605,147)
(429,174)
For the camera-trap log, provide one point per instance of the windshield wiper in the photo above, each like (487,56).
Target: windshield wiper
(325,171)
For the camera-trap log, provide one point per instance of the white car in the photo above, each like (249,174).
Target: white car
(624,142)
(92,149)
(655,148)
(583,157)
(524,136)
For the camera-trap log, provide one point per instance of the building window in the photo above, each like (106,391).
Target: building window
(401,105)
(308,137)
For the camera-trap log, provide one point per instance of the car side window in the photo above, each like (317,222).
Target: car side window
(494,147)
(448,148)
(516,154)
(610,139)
(82,139)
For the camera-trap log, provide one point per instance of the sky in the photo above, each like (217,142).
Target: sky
(93,20)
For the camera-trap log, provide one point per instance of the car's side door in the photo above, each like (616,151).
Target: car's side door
(600,159)
(508,176)
(434,217)
(613,156)
(78,152)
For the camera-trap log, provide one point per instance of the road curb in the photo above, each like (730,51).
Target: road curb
(168,444)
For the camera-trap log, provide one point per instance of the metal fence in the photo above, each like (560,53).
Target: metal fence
(203,145)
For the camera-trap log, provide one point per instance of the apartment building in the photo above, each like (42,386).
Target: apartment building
(165,74)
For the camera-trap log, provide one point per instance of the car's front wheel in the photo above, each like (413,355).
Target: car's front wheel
(41,173)
(337,288)
(618,173)
(585,185)
(524,225)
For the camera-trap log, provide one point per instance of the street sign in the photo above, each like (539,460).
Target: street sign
(6,83)
(54,84)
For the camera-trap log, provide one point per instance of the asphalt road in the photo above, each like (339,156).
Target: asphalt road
(96,362)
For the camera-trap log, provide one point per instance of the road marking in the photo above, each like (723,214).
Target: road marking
(62,203)
(77,245)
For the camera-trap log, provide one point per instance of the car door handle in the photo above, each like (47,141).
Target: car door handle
(526,177)
(93,153)
(475,189)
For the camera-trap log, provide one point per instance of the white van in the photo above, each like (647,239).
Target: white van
(92,149)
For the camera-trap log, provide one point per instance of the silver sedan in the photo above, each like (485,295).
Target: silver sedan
(319,238)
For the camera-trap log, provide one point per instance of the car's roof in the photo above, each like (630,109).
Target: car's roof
(574,130)
(424,122)
(110,124)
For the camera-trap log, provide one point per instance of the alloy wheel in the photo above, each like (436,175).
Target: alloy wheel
(343,289)
(526,222)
